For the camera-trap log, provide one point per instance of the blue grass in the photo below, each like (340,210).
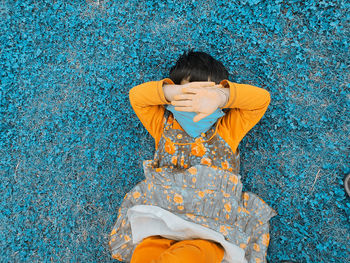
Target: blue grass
(71,146)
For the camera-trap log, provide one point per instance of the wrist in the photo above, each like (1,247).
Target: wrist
(224,96)
(171,90)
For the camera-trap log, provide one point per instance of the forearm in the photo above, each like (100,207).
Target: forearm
(224,95)
(247,97)
(148,94)
(171,90)
(154,93)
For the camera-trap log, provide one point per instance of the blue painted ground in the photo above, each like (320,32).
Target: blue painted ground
(71,146)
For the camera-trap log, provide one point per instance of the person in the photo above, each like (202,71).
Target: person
(190,207)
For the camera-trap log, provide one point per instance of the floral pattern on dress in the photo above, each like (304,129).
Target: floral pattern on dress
(203,188)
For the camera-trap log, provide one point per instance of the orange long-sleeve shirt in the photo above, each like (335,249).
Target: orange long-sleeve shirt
(247,105)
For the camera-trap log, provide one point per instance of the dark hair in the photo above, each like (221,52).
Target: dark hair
(198,66)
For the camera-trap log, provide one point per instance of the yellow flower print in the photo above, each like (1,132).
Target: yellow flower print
(174,160)
(178,199)
(246,196)
(158,170)
(180,207)
(223,230)
(117,257)
(258,260)
(266,239)
(245,210)
(256,247)
(198,149)
(228,207)
(136,195)
(169,147)
(199,140)
(170,119)
(127,238)
(182,160)
(225,165)
(193,170)
(226,194)
(194,179)
(206,161)
(113,232)
(233,178)
(201,194)
(242,245)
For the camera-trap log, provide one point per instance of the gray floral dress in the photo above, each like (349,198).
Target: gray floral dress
(197,180)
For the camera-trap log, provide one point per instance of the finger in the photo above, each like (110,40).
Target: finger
(200,116)
(195,90)
(183,97)
(215,86)
(187,109)
(181,103)
(201,83)
(190,90)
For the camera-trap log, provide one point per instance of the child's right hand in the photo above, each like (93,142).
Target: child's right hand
(201,97)
(171,90)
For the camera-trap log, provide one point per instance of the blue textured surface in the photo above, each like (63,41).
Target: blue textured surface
(71,146)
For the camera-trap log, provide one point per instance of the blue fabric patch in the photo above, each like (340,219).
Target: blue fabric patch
(194,129)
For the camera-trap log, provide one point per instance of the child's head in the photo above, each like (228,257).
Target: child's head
(197,66)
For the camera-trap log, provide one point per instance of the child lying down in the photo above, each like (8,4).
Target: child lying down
(190,207)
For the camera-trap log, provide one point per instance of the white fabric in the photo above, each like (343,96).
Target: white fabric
(148,220)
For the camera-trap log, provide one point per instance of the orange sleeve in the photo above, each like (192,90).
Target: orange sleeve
(147,100)
(247,105)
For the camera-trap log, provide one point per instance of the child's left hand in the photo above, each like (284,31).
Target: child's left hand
(203,100)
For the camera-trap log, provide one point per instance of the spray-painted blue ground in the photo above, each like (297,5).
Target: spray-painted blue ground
(71,146)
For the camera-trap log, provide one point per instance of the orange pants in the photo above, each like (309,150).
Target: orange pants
(156,249)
